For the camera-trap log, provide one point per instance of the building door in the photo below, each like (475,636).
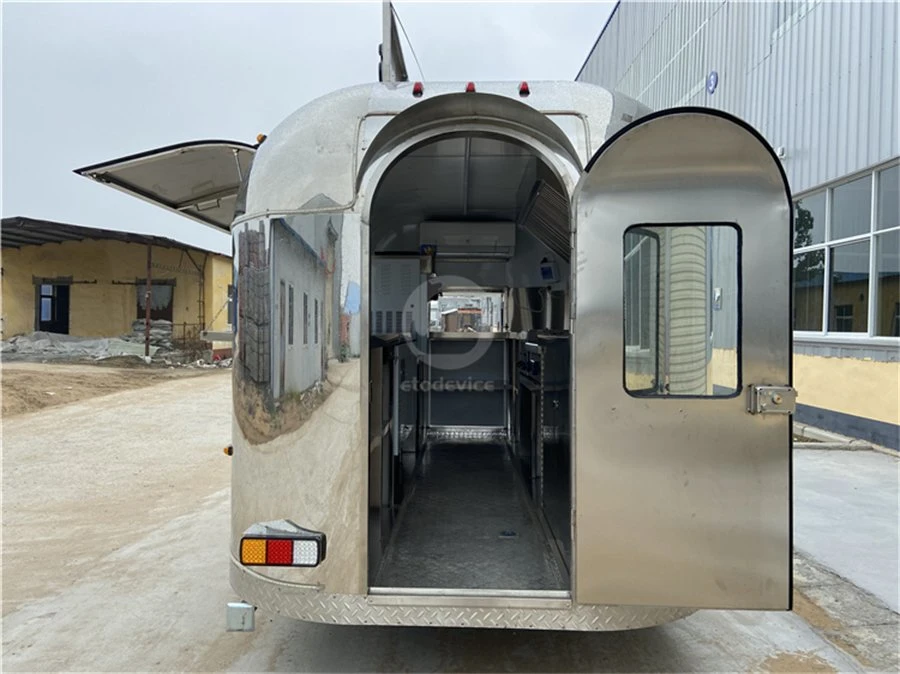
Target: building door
(682,368)
(52,309)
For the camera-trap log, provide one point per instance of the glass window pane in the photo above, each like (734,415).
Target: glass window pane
(46,309)
(641,310)
(809,288)
(851,208)
(681,295)
(46,291)
(459,311)
(888,288)
(849,288)
(809,220)
(889,198)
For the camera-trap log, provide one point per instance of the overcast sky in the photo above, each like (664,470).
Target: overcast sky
(83,83)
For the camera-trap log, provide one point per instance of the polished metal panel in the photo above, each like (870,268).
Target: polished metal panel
(300,430)
(300,451)
(681,501)
(305,602)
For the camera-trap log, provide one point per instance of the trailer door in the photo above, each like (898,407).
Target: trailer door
(682,368)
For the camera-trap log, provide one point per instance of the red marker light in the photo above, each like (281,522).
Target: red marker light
(279,552)
(523,89)
(470,88)
(418,89)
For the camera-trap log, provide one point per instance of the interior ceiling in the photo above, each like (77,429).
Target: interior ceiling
(451,179)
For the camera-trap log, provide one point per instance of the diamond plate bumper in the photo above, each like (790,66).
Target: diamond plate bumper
(311,604)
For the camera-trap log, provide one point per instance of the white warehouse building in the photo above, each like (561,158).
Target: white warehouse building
(820,81)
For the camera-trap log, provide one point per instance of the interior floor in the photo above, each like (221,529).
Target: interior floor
(468,525)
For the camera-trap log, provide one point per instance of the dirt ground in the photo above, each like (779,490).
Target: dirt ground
(116,538)
(28,387)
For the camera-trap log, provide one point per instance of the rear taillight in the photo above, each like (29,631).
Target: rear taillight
(418,89)
(304,548)
(470,88)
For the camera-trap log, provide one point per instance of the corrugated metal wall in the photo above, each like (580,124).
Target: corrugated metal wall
(818,78)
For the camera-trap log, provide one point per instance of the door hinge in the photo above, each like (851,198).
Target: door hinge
(764,399)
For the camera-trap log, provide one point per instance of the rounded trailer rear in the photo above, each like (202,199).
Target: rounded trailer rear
(607,448)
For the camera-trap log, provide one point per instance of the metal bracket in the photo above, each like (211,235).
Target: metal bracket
(771,399)
(239,617)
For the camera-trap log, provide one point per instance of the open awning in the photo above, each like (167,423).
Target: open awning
(199,179)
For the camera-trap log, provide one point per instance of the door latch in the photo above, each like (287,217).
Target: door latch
(771,399)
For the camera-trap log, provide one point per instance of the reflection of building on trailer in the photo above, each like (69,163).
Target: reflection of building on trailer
(446,470)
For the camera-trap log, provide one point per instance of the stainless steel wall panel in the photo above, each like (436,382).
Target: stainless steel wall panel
(692,508)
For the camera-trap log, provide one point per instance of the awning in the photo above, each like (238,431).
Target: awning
(199,180)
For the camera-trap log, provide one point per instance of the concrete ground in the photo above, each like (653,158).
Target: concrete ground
(846,517)
(115,534)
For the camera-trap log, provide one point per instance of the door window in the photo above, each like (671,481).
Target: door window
(682,310)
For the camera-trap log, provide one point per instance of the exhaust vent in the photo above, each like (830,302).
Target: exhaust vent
(546,217)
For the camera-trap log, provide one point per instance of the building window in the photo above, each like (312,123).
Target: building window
(839,236)
(843,317)
(161,294)
(290,314)
(305,319)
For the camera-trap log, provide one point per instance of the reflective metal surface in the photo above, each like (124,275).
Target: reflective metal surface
(302,269)
(511,612)
(681,501)
(303,383)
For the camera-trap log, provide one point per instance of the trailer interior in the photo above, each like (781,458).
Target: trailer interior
(469,371)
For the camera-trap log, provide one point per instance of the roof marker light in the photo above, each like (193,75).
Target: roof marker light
(470,88)
(418,89)
(523,89)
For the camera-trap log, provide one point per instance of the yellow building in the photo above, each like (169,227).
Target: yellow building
(91,282)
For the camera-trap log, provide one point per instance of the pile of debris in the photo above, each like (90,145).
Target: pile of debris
(53,346)
(160,333)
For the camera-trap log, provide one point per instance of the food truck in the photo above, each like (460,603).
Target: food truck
(506,354)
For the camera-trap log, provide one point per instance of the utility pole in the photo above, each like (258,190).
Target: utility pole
(147,300)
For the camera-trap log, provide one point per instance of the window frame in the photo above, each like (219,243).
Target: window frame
(825,334)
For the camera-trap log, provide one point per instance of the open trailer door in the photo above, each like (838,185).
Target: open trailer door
(199,180)
(683,368)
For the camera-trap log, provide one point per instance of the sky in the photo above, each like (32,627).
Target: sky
(84,83)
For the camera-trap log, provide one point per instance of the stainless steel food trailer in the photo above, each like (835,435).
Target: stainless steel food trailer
(505,354)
